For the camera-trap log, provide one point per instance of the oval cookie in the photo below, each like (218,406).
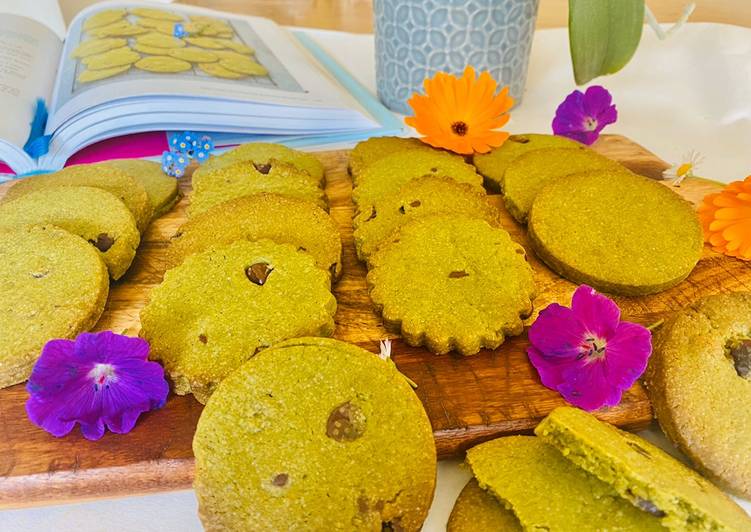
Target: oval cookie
(97,46)
(87,76)
(218,308)
(332,438)
(452,282)
(236,46)
(91,213)
(159,40)
(162,190)
(206,42)
(52,285)
(118,29)
(258,217)
(163,64)
(193,55)
(155,14)
(150,50)
(103,18)
(218,71)
(619,232)
(111,59)
(244,66)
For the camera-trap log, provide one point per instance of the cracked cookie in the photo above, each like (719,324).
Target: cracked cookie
(418,198)
(493,165)
(452,282)
(699,378)
(620,232)
(477,510)
(390,173)
(314,434)
(162,190)
(91,213)
(257,217)
(641,473)
(547,492)
(98,175)
(263,153)
(219,307)
(369,151)
(52,285)
(244,178)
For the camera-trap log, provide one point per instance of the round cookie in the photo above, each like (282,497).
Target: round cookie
(262,153)
(419,197)
(113,58)
(317,435)
(493,165)
(162,64)
(452,282)
(369,151)
(162,190)
(91,213)
(52,285)
(97,46)
(619,232)
(547,492)
(218,308)
(641,472)
(245,178)
(390,173)
(528,174)
(476,510)
(262,216)
(698,376)
(99,175)
(87,76)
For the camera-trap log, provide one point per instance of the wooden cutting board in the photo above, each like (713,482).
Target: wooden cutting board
(468,400)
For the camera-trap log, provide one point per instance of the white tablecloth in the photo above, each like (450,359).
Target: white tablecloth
(692,91)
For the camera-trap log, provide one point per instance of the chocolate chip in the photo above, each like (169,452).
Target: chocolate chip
(262,168)
(458,274)
(103,242)
(346,423)
(258,273)
(392,526)
(372,214)
(649,507)
(521,139)
(740,352)
(300,248)
(415,203)
(639,449)
(280,480)
(401,210)
(434,170)
(203,338)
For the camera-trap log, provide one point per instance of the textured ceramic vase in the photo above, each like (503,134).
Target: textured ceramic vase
(414,39)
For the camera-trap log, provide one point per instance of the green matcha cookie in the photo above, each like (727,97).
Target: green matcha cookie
(314,435)
(388,174)
(419,197)
(528,174)
(641,473)
(262,153)
(257,217)
(452,282)
(91,213)
(369,151)
(618,232)
(698,377)
(162,190)
(476,510)
(99,175)
(219,307)
(52,285)
(547,492)
(245,178)
(493,165)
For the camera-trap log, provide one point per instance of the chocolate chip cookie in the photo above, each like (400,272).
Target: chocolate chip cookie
(52,285)
(452,282)
(369,151)
(699,378)
(219,307)
(314,435)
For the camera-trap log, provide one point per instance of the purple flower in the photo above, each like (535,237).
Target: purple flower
(586,352)
(582,116)
(99,379)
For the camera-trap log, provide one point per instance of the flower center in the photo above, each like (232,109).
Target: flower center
(102,375)
(590,124)
(684,169)
(593,348)
(460,128)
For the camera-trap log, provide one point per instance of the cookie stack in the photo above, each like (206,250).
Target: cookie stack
(252,267)
(582,474)
(442,270)
(62,236)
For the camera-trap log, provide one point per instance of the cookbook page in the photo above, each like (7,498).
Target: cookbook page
(118,50)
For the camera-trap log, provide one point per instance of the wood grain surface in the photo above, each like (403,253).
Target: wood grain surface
(468,400)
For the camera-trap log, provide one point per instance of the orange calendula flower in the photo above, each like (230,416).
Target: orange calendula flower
(461,114)
(726,219)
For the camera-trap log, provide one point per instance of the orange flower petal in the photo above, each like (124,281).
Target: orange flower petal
(726,219)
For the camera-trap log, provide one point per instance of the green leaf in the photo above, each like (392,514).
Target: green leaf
(603,35)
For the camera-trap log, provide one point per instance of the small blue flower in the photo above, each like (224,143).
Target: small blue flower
(174,164)
(179,31)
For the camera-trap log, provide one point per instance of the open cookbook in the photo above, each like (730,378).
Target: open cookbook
(130,67)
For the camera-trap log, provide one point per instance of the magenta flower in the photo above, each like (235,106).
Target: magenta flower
(582,115)
(586,352)
(99,379)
